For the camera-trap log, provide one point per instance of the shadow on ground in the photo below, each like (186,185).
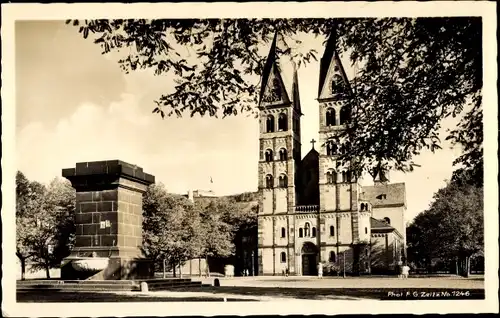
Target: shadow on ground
(87,296)
(334,293)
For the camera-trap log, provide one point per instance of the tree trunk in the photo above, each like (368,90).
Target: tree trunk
(467,266)
(463,266)
(456,267)
(23,268)
(47,270)
(164,268)
(174,270)
(208,268)
(199,265)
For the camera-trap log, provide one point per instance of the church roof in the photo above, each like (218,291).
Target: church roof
(326,59)
(280,63)
(379,226)
(312,154)
(385,195)
(331,56)
(376,224)
(271,57)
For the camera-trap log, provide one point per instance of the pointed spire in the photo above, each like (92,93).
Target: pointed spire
(295,93)
(271,58)
(327,58)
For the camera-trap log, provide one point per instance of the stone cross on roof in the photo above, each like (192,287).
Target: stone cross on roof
(312,142)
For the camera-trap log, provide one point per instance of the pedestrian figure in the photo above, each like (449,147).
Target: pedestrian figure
(287,272)
(320,270)
(400,269)
(406,271)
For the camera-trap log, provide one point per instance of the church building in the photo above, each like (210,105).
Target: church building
(312,209)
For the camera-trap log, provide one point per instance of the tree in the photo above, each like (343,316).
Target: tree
(413,72)
(451,229)
(216,233)
(169,227)
(44,222)
(176,230)
(61,199)
(29,203)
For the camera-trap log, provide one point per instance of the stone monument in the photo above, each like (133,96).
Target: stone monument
(108,222)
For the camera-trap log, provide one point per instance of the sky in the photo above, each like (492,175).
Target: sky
(74,104)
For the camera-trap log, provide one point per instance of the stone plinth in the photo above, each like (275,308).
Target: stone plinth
(109,217)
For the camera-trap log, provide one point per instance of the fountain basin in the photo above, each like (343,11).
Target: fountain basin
(92,264)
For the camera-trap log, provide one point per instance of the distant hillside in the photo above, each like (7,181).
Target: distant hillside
(245,197)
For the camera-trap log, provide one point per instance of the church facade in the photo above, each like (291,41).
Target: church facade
(313,209)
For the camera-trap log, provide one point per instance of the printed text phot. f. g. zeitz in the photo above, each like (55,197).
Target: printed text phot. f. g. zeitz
(248,159)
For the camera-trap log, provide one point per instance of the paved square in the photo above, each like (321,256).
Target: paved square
(276,288)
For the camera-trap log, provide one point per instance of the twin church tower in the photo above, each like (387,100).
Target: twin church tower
(313,209)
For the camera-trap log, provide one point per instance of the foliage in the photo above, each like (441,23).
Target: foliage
(245,197)
(451,229)
(331,268)
(61,198)
(413,72)
(469,134)
(176,230)
(218,226)
(170,227)
(44,216)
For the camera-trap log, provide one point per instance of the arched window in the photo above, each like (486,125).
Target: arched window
(282,122)
(270,123)
(344,115)
(301,232)
(366,230)
(283,154)
(269,155)
(332,230)
(387,220)
(331,148)
(313,232)
(283,232)
(331,176)
(283,181)
(269,181)
(332,257)
(283,257)
(307,230)
(330,117)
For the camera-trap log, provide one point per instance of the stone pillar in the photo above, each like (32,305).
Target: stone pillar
(108,220)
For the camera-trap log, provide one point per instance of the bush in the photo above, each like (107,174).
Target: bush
(331,269)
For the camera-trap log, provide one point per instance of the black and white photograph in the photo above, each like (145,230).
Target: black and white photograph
(200,158)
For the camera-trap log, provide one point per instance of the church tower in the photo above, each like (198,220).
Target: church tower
(342,229)
(280,155)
